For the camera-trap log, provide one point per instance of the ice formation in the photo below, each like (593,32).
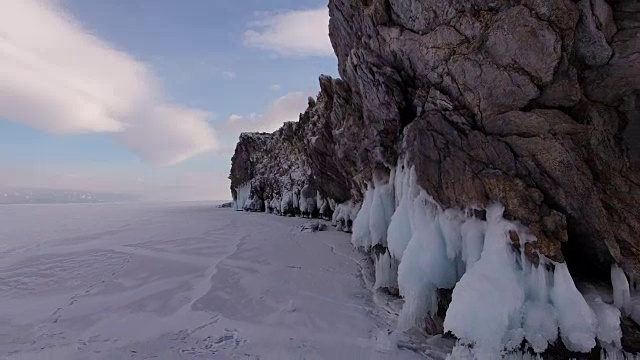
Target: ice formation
(500,298)
(303,201)
(621,291)
(399,231)
(308,204)
(611,353)
(322,205)
(424,266)
(608,321)
(361,234)
(372,221)
(287,202)
(462,352)
(577,320)
(382,208)
(487,303)
(243,192)
(344,215)
(386,268)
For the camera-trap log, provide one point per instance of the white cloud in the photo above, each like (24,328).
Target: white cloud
(56,77)
(275,87)
(169,135)
(292,33)
(229,74)
(285,108)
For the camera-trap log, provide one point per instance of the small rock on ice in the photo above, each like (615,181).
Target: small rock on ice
(313,226)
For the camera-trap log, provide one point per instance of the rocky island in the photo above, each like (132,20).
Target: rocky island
(487,154)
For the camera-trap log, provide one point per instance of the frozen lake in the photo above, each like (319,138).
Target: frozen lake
(181,281)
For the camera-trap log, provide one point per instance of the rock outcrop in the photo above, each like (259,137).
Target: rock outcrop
(531,103)
(272,170)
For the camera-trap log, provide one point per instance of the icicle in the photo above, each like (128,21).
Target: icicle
(499,298)
(286,203)
(303,203)
(295,200)
(425,266)
(380,212)
(576,319)
(343,215)
(540,317)
(610,353)
(242,196)
(608,319)
(621,292)
(386,271)
(486,303)
(399,232)
(472,232)
(450,222)
(361,237)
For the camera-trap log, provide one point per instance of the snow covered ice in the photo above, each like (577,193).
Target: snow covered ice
(181,281)
(188,280)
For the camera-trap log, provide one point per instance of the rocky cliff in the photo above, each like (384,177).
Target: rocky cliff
(532,104)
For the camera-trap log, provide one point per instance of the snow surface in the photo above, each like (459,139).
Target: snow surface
(188,281)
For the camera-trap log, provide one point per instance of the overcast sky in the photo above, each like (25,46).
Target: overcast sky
(148,97)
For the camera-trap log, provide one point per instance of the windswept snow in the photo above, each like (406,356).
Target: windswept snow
(181,281)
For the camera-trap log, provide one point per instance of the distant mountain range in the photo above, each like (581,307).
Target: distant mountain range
(54,196)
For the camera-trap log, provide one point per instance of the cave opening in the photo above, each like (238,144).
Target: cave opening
(586,262)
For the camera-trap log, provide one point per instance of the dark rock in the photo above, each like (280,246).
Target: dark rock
(595,29)
(630,335)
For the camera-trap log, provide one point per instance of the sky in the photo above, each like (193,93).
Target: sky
(147,97)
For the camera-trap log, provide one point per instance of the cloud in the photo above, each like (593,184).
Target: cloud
(56,77)
(292,33)
(285,108)
(275,87)
(169,135)
(229,74)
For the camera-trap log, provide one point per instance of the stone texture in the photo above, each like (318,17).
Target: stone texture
(511,101)
(592,47)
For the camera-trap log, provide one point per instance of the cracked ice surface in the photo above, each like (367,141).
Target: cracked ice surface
(112,281)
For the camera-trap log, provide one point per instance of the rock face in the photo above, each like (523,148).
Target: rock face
(525,102)
(274,168)
(532,103)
